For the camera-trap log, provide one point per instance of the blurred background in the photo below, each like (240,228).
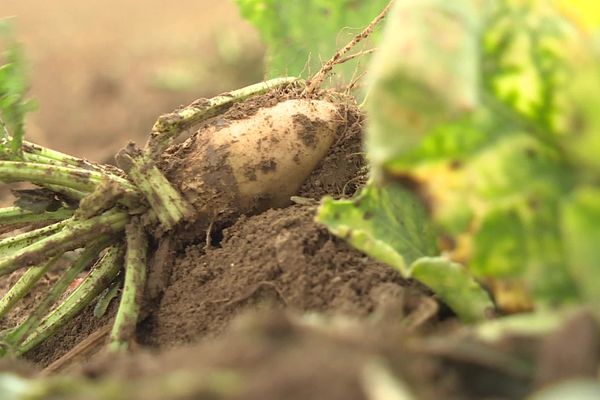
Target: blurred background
(102,71)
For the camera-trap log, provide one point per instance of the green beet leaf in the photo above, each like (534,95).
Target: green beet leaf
(13,88)
(580,117)
(453,283)
(425,72)
(389,223)
(301,35)
(524,66)
(581,231)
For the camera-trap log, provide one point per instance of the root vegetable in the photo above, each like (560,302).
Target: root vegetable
(251,164)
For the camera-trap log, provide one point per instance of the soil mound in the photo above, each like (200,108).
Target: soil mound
(280,259)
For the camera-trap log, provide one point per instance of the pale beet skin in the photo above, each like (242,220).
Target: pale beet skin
(247,165)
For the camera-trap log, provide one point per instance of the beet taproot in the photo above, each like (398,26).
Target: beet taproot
(247,165)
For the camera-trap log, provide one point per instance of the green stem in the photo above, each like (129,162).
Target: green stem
(103,273)
(24,286)
(76,234)
(70,177)
(14,243)
(169,126)
(44,155)
(133,288)
(78,179)
(17,215)
(89,254)
(39,159)
(41,155)
(106,195)
(32,153)
(167,203)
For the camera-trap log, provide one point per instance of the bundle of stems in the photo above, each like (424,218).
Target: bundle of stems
(97,214)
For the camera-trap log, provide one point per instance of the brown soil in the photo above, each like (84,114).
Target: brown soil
(343,170)
(276,355)
(279,259)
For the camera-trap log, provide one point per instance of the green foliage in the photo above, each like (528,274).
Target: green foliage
(13,87)
(488,111)
(455,286)
(580,225)
(390,224)
(421,76)
(301,35)
(580,120)
(522,66)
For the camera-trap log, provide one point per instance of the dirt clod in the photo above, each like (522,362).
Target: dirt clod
(280,258)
